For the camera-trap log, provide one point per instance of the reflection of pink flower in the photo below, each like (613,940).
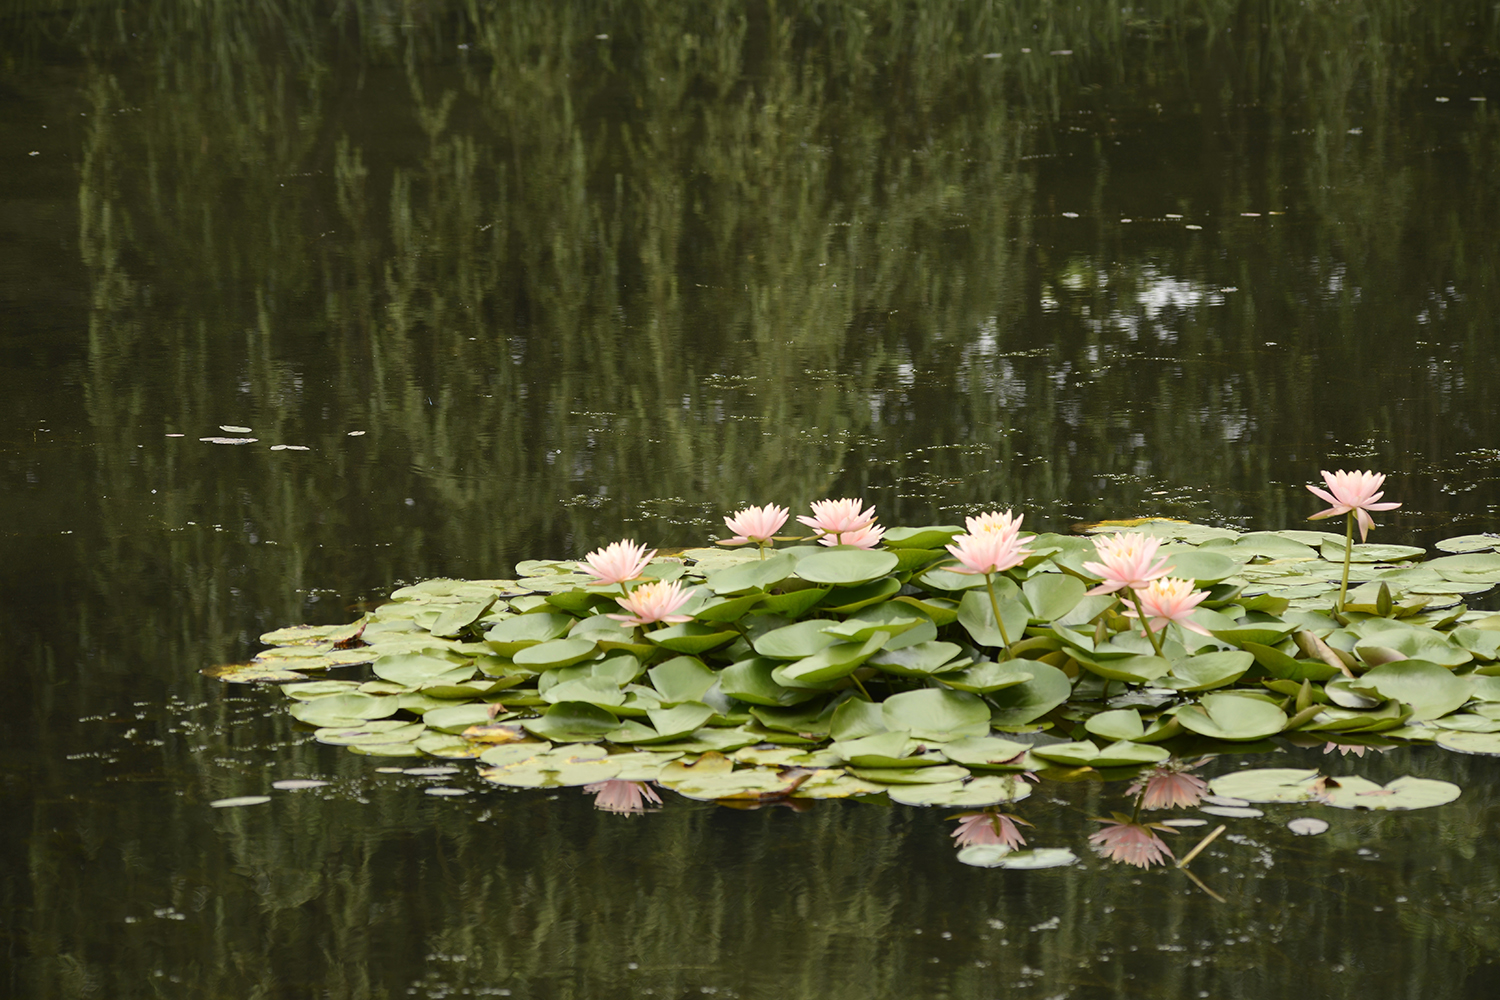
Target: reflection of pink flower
(1352,491)
(861,538)
(1170,600)
(653,602)
(837,517)
(617,562)
(988,827)
(1125,561)
(756,524)
(993,521)
(988,551)
(1132,843)
(618,796)
(1169,786)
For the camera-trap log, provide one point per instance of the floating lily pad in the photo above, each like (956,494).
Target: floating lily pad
(998,856)
(986,752)
(1487,744)
(254,672)
(843,566)
(572,722)
(1226,716)
(1431,690)
(1023,703)
(977,615)
(1354,792)
(515,634)
(935,714)
(910,775)
(1269,784)
(920,660)
(1207,671)
(377,731)
(1121,753)
(836,784)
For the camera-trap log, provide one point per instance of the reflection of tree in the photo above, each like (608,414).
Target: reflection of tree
(576,288)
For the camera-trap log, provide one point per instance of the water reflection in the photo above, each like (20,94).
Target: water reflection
(529,277)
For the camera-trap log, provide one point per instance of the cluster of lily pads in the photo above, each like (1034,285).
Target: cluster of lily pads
(815,671)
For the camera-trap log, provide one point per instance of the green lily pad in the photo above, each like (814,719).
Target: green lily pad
(989,752)
(1028,701)
(747,783)
(750,681)
(1354,792)
(456,718)
(1235,717)
(835,783)
(555,653)
(795,603)
(951,582)
(1415,644)
(727,609)
(415,669)
(378,731)
(1121,753)
(1281,665)
(240,800)
(922,659)
(1133,668)
(572,722)
(679,720)
(321,689)
(998,856)
(794,642)
(1202,565)
(1118,724)
(935,714)
(987,676)
(756,575)
(933,536)
(683,678)
(1052,595)
(845,600)
(979,792)
(886,749)
(856,718)
(829,663)
(1269,784)
(591,690)
(1487,744)
(1207,671)
(977,615)
(1431,690)
(692,638)
(890,618)
(350,705)
(843,566)
(253,672)
(515,634)
(910,775)
(1458,545)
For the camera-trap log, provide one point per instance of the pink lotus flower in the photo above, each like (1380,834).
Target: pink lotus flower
(619,796)
(1352,491)
(653,602)
(1169,786)
(616,562)
(838,517)
(755,524)
(988,827)
(988,552)
(1125,561)
(993,521)
(1132,843)
(861,538)
(1167,600)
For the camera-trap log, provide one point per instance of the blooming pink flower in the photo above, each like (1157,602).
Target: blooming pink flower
(619,796)
(1132,843)
(653,602)
(993,521)
(1169,786)
(1169,599)
(861,538)
(836,517)
(988,827)
(988,551)
(1352,491)
(756,524)
(1125,561)
(616,562)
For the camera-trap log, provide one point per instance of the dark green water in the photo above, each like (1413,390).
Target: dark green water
(527,278)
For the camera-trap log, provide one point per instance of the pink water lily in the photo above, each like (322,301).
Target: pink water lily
(993,521)
(1132,843)
(654,602)
(755,524)
(618,796)
(616,562)
(1169,786)
(838,517)
(988,551)
(1125,561)
(861,538)
(1168,600)
(989,827)
(1352,492)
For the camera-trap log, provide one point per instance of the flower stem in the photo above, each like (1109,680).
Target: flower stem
(1348,555)
(1135,814)
(861,688)
(989,584)
(1141,611)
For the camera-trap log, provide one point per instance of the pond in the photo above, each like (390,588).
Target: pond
(308,301)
